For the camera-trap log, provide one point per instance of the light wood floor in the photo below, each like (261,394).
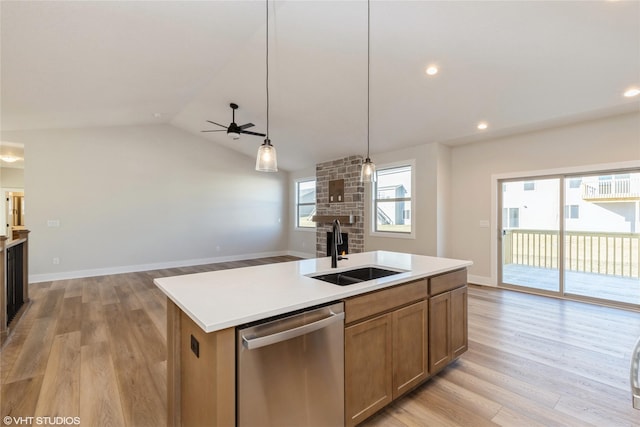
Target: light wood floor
(532,361)
(95,349)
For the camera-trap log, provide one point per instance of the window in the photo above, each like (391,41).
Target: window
(392,200)
(511,217)
(575,183)
(305,203)
(572,211)
(529,186)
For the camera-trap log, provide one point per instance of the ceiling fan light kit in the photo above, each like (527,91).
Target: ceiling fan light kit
(368,172)
(267,160)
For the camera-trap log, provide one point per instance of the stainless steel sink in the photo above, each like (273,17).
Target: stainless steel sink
(356,275)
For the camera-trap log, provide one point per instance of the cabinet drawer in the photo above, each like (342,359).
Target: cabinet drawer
(447,282)
(378,302)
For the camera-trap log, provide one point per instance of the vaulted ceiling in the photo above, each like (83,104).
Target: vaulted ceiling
(518,65)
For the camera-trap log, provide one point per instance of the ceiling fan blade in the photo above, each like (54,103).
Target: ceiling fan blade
(252,133)
(220,130)
(217,124)
(246,125)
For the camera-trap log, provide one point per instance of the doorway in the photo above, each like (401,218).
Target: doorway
(14,213)
(12,204)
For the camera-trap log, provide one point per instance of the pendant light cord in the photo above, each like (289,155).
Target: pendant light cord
(368,69)
(267,66)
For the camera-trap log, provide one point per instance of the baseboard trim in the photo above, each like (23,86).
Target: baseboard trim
(78,274)
(301,254)
(481,280)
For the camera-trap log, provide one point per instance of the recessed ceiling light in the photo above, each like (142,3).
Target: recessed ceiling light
(157,115)
(9,158)
(630,93)
(431,70)
(482,125)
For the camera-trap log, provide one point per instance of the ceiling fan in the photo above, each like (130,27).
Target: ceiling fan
(233,130)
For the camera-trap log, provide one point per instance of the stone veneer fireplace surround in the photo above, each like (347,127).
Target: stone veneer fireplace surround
(348,169)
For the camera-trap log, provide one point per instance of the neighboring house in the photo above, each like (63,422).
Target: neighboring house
(307,200)
(393,213)
(605,203)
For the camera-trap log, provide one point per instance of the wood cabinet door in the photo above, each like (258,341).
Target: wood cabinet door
(439,332)
(410,347)
(459,338)
(368,368)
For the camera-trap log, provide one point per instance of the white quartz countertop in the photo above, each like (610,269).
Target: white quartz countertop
(222,299)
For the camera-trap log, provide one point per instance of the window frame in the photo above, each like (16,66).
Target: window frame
(411,164)
(297,204)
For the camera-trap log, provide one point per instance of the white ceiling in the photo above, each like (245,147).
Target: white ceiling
(519,65)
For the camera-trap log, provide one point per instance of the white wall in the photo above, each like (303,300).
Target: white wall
(425,209)
(443,201)
(302,242)
(130,198)
(610,140)
(11,177)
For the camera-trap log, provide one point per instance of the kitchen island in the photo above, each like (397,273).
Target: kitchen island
(426,300)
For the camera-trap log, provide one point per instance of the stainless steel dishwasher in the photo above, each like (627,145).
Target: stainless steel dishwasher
(290,370)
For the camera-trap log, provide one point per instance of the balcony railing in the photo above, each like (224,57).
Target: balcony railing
(616,254)
(612,189)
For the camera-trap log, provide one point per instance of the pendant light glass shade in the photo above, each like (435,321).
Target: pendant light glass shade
(267,160)
(368,172)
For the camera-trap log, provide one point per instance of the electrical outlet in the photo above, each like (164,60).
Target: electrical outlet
(56,261)
(195,346)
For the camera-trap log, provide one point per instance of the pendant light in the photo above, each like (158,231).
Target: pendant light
(368,172)
(267,160)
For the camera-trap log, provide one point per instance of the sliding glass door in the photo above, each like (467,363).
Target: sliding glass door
(530,230)
(602,229)
(572,235)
